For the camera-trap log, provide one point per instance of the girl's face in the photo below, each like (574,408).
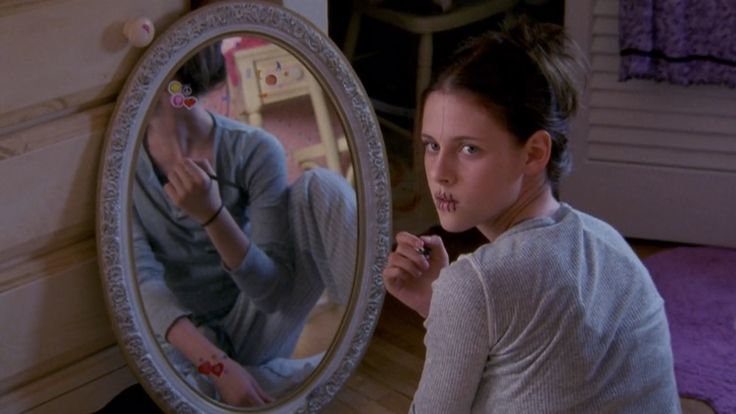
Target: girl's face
(474,167)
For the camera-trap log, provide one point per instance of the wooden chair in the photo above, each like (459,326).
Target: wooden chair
(462,13)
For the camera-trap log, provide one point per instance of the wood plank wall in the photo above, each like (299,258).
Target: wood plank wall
(63,64)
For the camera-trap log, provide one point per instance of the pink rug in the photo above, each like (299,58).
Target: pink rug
(698,285)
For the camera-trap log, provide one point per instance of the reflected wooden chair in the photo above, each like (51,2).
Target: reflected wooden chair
(269,74)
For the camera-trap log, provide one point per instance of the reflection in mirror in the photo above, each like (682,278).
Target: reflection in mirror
(244,221)
(243,320)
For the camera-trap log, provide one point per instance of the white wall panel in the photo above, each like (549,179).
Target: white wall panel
(656,160)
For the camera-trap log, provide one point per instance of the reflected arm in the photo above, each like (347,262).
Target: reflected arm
(257,162)
(234,384)
(229,240)
(161,305)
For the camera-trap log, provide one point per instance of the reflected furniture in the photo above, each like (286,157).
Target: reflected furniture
(267,74)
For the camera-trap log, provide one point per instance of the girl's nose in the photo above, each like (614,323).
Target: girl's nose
(439,168)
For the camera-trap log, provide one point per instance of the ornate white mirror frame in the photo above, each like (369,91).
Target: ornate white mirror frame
(114,239)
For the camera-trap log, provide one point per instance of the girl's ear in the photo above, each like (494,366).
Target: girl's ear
(538,149)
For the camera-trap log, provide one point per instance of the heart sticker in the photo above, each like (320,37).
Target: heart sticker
(190,102)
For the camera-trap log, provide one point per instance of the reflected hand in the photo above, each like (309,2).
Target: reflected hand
(237,387)
(409,273)
(191,189)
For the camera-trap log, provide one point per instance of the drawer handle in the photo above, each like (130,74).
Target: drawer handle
(139,32)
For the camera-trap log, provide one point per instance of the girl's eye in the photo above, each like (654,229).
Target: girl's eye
(431,146)
(469,149)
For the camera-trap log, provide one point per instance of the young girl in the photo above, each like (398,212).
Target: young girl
(555,314)
(230,257)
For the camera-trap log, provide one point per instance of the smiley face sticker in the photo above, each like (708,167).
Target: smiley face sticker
(174,87)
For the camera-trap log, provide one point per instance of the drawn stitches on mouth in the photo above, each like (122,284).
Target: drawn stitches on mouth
(445,202)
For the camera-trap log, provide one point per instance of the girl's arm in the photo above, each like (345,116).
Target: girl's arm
(412,267)
(233,382)
(457,341)
(162,306)
(191,189)
(228,238)
(253,269)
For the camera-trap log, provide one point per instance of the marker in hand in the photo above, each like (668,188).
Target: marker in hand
(424,251)
(224,181)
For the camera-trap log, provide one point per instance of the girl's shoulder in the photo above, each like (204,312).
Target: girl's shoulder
(461,284)
(548,241)
(232,135)
(224,123)
(248,155)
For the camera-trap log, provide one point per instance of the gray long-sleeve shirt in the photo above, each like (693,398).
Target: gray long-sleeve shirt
(179,270)
(557,315)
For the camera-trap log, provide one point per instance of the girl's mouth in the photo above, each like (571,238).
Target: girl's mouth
(445,202)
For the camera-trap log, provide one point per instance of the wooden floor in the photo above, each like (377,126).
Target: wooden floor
(388,374)
(387,377)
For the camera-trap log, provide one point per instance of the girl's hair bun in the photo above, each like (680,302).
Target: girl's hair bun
(558,58)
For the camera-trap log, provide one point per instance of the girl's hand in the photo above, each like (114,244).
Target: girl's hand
(409,273)
(238,388)
(191,189)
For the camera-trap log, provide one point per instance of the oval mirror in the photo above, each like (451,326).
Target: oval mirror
(243,214)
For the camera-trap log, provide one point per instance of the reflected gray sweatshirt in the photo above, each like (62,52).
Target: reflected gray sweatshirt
(179,270)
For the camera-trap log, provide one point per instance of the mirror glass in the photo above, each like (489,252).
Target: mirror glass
(244,124)
(243,213)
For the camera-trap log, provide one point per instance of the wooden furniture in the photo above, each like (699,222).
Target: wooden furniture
(269,74)
(63,64)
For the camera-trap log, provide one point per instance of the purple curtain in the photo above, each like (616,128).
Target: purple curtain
(683,42)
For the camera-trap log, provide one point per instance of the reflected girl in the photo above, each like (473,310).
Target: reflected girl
(230,258)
